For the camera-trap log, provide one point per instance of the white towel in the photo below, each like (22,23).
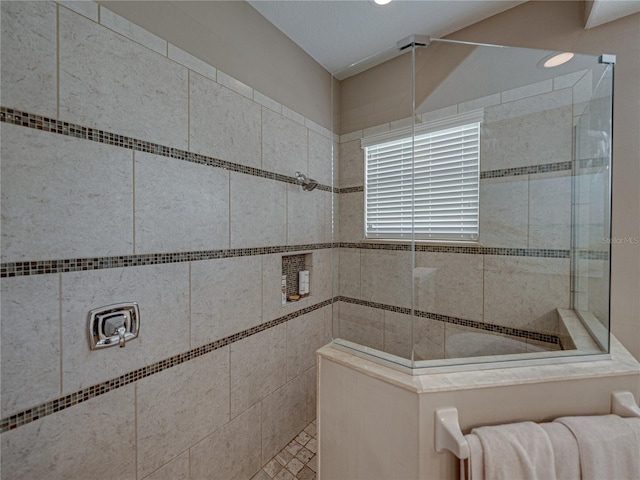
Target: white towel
(520,451)
(565,451)
(475,463)
(609,446)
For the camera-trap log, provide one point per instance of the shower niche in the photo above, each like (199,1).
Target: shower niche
(296,277)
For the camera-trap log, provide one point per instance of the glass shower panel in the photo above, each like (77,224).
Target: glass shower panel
(508,290)
(372,313)
(592,206)
(473,207)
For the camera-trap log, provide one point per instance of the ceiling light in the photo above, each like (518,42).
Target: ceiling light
(557,59)
(381,2)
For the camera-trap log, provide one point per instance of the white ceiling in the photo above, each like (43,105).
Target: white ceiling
(348,37)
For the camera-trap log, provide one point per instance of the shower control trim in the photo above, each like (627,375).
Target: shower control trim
(113,325)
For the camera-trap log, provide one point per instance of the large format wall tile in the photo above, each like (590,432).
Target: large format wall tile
(349,277)
(351,218)
(30,341)
(70,444)
(305,334)
(284,144)
(63,197)
(120,86)
(285,413)
(305,216)
(258,211)
(321,165)
(428,336)
(524,292)
(449,284)
(504,204)
(258,367)
(351,164)
(386,277)
(359,324)
(176,469)
(162,294)
(180,206)
(550,211)
(29,77)
(531,131)
(226,297)
(232,451)
(180,406)
(223,123)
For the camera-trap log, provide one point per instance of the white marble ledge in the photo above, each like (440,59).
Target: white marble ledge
(620,363)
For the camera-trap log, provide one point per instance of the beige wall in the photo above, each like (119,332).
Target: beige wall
(239,41)
(554,26)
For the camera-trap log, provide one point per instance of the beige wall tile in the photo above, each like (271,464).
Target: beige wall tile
(191,62)
(30,326)
(351,219)
(65,443)
(258,367)
(305,334)
(154,105)
(176,469)
(63,197)
(132,31)
(180,406)
(524,292)
(386,277)
(284,144)
(223,123)
(550,211)
(305,216)
(284,415)
(428,336)
(351,171)
(531,131)
(504,212)
(359,324)
(320,158)
(349,268)
(258,211)
(162,293)
(83,7)
(449,284)
(180,206)
(226,297)
(29,80)
(232,451)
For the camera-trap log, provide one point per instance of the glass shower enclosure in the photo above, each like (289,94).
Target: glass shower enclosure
(473,211)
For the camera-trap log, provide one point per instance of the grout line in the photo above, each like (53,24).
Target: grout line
(60,330)
(133,184)
(57,60)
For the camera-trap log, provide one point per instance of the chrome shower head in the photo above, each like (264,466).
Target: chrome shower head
(305,182)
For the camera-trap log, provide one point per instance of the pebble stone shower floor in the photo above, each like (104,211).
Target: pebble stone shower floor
(296,461)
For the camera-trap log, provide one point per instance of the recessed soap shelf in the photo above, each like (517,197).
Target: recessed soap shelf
(113,325)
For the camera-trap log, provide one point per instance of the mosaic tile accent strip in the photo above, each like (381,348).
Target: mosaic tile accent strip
(487,327)
(31,414)
(530,170)
(349,189)
(466,249)
(41,267)
(38,122)
(593,255)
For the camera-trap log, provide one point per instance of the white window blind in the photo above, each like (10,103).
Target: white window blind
(433,192)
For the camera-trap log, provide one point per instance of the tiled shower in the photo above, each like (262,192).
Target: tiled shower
(135,172)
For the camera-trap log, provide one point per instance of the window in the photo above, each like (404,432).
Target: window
(442,201)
